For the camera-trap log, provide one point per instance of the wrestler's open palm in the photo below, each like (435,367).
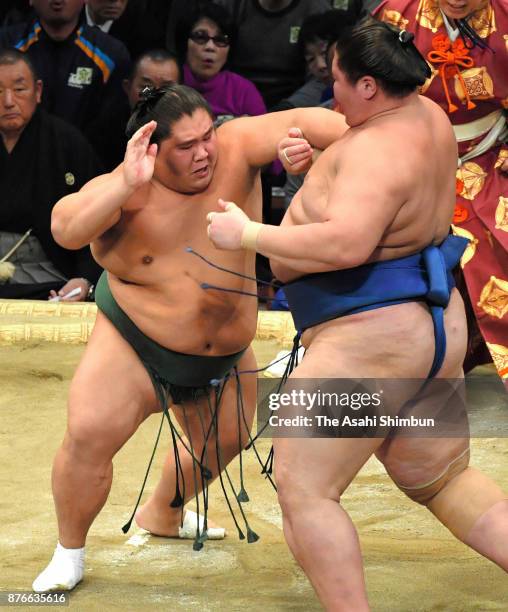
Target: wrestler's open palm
(139,160)
(225,229)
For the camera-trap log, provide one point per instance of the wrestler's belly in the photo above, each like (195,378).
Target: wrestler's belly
(391,342)
(185,318)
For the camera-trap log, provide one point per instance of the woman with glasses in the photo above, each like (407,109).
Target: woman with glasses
(203,43)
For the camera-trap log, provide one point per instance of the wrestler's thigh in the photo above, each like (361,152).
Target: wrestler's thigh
(111,392)
(411,460)
(318,466)
(195,418)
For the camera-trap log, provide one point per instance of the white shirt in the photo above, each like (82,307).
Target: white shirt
(105,27)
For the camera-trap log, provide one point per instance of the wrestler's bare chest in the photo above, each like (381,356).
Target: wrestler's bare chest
(159,283)
(158,225)
(309,204)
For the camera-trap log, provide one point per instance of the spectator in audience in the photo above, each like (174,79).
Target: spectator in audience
(104,13)
(204,39)
(42,158)
(337,22)
(266,50)
(154,68)
(133,22)
(317,34)
(82,68)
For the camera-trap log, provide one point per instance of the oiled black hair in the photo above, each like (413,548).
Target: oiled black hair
(166,106)
(382,51)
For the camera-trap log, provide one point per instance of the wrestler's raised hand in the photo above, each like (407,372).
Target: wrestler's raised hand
(139,160)
(295,153)
(225,229)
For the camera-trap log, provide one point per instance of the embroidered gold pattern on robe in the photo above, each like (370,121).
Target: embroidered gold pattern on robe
(473,177)
(478,83)
(423,88)
(428,15)
(483,21)
(471,247)
(502,214)
(395,18)
(494,297)
(488,235)
(501,158)
(499,357)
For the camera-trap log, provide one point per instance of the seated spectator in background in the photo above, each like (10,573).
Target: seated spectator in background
(81,67)
(266,50)
(316,36)
(134,22)
(203,44)
(42,158)
(104,13)
(155,68)
(295,181)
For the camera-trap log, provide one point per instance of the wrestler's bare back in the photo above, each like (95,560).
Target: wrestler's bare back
(422,216)
(158,283)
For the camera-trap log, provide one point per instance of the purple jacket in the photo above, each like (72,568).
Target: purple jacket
(227,93)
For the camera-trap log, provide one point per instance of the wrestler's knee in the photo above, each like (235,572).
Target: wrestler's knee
(290,500)
(232,439)
(231,444)
(92,435)
(298,494)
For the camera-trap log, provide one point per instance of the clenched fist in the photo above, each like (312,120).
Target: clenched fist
(225,229)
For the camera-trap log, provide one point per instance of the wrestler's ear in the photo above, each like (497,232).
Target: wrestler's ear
(367,87)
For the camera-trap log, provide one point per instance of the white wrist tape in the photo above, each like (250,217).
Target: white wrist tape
(250,235)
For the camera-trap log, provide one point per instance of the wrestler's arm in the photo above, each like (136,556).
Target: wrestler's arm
(259,136)
(80,218)
(362,202)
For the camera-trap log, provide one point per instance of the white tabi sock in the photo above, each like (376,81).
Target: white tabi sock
(64,571)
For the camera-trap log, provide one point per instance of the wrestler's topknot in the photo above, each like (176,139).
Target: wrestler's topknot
(165,106)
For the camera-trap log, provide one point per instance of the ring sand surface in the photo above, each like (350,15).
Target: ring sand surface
(411,562)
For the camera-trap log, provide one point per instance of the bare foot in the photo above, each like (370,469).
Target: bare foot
(165,523)
(160,523)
